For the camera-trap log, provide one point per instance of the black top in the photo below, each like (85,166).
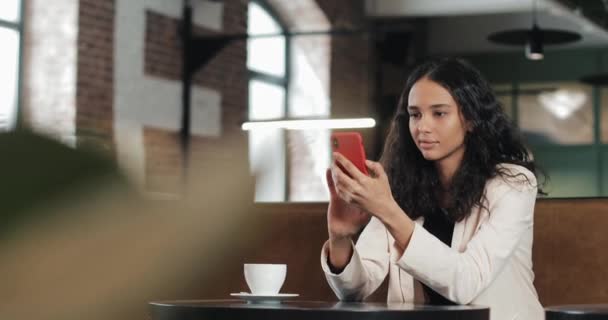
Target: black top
(307,310)
(439,225)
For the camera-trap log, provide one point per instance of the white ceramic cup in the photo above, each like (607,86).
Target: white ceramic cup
(265,279)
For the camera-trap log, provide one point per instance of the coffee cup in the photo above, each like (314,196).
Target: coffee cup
(265,279)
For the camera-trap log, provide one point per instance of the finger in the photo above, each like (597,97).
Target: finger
(349,167)
(343,194)
(341,179)
(330,182)
(328,177)
(349,195)
(376,168)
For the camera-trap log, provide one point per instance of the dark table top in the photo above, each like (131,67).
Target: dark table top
(296,310)
(577,312)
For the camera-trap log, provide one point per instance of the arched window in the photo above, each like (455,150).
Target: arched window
(10,35)
(286,80)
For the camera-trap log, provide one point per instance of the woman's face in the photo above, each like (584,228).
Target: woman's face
(436,123)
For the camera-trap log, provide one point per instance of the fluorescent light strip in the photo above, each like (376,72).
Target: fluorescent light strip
(311,124)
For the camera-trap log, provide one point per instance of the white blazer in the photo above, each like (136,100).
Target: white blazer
(489,262)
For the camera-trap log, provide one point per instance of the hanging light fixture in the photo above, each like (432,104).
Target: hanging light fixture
(534,46)
(534,39)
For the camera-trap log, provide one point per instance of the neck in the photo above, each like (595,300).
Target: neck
(446,167)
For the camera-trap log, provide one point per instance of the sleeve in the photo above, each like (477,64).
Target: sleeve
(367,267)
(461,276)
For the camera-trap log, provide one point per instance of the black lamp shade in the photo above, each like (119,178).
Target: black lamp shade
(534,46)
(518,37)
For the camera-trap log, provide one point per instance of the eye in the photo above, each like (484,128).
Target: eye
(415,115)
(440,113)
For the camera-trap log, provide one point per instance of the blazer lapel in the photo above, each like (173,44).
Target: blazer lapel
(465,229)
(458,234)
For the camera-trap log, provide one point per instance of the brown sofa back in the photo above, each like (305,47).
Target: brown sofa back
(570,252)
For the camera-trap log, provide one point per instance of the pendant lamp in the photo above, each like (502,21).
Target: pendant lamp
(534,39)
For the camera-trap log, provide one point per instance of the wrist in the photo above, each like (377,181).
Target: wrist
(390,212)
(399,225)
(340,241)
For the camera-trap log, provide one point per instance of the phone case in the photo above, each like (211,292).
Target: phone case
(350,145)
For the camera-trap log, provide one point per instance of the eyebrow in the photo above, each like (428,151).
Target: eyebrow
(434,106)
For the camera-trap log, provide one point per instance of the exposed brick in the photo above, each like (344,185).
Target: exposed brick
(226,73)
(94,98)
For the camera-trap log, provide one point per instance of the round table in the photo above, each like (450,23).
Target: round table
(577,312)
(309,310)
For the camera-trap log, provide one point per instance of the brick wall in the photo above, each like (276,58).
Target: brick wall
(226,73)
(95,94)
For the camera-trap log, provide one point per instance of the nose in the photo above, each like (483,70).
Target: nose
(423,125)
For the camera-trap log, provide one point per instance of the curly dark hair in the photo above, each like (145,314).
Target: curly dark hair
(493,140)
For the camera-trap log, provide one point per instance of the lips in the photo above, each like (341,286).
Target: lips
(426,144)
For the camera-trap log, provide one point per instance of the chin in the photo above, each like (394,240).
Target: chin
(430,156)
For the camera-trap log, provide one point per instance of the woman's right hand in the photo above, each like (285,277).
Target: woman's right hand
(344,220)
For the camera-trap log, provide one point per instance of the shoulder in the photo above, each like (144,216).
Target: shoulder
(511,194)
(511,177)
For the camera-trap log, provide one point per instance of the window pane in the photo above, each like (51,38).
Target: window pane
(556,113)
(9,61)
(267,164)
(9,10)
(267,146)
(309,94)
(265,55)
(266,101)
(260,22)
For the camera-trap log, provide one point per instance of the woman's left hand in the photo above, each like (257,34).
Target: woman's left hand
(371,193)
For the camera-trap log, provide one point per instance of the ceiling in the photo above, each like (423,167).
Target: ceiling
(463,26)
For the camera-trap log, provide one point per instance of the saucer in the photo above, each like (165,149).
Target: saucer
(264,298)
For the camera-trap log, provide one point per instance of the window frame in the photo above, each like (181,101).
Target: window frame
(18,27)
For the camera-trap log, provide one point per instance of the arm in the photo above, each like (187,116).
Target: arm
(367,268)
(339,252)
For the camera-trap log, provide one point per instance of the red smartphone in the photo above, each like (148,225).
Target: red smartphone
(350,145)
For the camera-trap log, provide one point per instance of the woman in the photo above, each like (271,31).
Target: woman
(448,213)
